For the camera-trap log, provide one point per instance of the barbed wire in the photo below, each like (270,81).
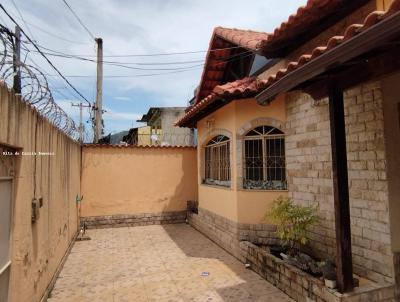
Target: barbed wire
(170,138)
(34,86)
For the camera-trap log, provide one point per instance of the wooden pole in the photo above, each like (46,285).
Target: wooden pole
(344,264)
(99,92)
(17,61)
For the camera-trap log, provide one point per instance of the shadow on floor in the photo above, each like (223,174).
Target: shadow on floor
(239,283)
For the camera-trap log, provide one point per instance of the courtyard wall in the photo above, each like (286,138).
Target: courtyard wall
(37,248)
(137,185)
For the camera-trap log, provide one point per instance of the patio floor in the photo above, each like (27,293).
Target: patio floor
(157,263)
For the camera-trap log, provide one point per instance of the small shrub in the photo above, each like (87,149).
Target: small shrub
(293,221)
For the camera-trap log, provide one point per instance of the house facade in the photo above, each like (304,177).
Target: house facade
(160,130)
(265,115)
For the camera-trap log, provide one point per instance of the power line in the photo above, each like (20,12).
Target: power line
(50,81)
(124,64)
(145,75)
(54,35)
(79,20)
(58,54)
(146,55)
(22,18)
(44,56)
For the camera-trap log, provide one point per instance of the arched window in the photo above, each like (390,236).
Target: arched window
(217,161)
(264,159)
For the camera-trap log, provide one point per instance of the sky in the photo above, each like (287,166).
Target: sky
(132,27)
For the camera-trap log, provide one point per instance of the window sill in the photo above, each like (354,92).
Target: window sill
(217,187)
(260,190)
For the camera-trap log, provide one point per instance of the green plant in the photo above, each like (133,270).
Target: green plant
(293,221)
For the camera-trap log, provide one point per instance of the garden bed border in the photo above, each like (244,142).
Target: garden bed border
(303,287)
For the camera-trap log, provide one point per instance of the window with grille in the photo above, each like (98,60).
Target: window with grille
(264,159)
(217,161)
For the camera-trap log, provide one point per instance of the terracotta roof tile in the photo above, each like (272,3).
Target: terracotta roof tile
(252,40)
(351,31)
(250,86)
(240,88)
(307,16)
(224,42)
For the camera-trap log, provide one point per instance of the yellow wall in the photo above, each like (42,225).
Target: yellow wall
(383,4)
(37,249)
(144,136)
(219,200)
(132,180)
(248,110)
(237,204)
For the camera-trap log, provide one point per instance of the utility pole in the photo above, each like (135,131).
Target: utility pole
(17,61)
(81,128)
(99,92)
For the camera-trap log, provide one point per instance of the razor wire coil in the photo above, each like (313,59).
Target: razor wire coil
(35,88)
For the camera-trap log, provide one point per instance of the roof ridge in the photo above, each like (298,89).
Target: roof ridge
(241,30)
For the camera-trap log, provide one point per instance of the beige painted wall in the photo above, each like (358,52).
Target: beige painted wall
(239,205)
(38,248)
(133,180)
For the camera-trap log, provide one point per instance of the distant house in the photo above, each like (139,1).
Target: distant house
(160,129)
(113,139)
(138,136)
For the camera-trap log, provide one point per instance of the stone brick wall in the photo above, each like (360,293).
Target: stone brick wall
(228,234)
(308,156)
(112,221)
(303,287)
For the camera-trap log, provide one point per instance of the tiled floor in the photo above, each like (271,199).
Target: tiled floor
(156,263)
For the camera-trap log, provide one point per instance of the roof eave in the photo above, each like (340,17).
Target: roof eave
(367,40)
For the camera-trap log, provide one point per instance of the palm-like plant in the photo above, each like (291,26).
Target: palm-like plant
(293,222)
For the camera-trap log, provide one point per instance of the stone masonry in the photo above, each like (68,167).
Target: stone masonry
(308,156)
(142,219)
(303,287)
(228,234)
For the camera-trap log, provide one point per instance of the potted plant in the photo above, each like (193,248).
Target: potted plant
(293,221)
(329,273)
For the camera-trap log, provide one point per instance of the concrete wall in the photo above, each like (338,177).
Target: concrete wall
(135,180)
(38,248)
(174,136)
(234,120)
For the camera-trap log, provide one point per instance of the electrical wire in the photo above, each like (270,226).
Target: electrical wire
(22,18)
(79,20)
(59,54)
(54,35)
(146,55)
(43,55)
(145,75)
(125,64)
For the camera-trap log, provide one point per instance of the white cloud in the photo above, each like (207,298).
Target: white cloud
(113,115)
(122,98)
(129,27)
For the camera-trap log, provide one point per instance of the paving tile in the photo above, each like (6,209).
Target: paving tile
(157,263)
